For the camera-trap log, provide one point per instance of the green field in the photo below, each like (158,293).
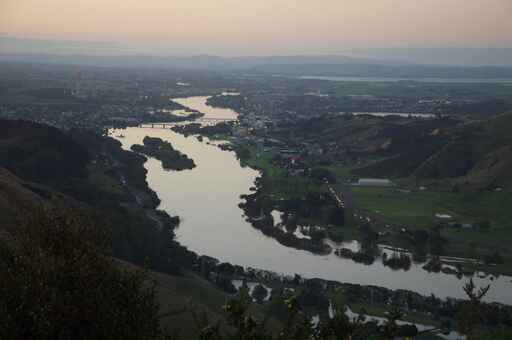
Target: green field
(418,208)
(278,184)
(404,205)
(342,172)
(415,209)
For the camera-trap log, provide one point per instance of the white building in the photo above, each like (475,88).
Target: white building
(374,182)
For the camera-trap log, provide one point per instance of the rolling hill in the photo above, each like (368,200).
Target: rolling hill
(478,153)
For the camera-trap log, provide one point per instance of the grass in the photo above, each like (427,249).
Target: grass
(191,292)
(179,295)
(412,208)
(105,183)
(417,210)
(342,172)
(277,183)
(263,163)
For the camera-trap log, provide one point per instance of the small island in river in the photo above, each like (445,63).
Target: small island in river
(171,158)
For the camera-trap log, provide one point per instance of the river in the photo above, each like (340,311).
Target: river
(207,197)
(199,104)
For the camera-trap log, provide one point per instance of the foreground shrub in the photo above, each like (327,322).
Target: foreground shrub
(58,282)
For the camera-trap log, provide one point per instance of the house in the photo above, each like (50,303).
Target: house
(374,182)
(467,226)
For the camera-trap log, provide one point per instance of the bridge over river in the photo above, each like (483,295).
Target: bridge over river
(221,230)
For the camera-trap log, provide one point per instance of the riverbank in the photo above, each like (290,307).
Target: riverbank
(423,241)
(415,276)
(221,273)
(221,231)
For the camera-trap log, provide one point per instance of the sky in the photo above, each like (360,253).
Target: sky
(264,27)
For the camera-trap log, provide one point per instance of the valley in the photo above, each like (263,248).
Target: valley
(359,208)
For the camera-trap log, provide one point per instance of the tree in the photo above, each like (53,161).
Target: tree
(337,217)
(484,225)
(470,313)
(495,257)
(317,235)
(322,174)
(58,282)
(243,153)
(259,293)
(226,269)
(341,327)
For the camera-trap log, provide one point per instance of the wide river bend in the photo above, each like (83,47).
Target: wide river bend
(207,197)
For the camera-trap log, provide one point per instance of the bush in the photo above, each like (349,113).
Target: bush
(259,293)
(58,282)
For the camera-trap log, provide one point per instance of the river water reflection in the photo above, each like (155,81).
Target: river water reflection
(207,197)
(199,103)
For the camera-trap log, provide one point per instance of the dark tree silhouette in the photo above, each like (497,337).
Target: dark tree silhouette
(469,316)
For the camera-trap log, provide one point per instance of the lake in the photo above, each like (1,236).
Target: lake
(207,197)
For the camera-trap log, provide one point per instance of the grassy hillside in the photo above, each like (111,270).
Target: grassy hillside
(94,173)
(88,171)
(40,153)
(179,297)
(478,154)
(479,151)
(14,197)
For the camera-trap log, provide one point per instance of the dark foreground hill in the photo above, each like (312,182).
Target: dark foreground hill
(93,173)
(49,177)
(40,153)
(15,197)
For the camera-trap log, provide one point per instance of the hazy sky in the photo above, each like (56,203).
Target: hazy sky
(243,27)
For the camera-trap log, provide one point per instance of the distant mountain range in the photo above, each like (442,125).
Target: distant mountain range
(408,63)
(287,66)
(442,56)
